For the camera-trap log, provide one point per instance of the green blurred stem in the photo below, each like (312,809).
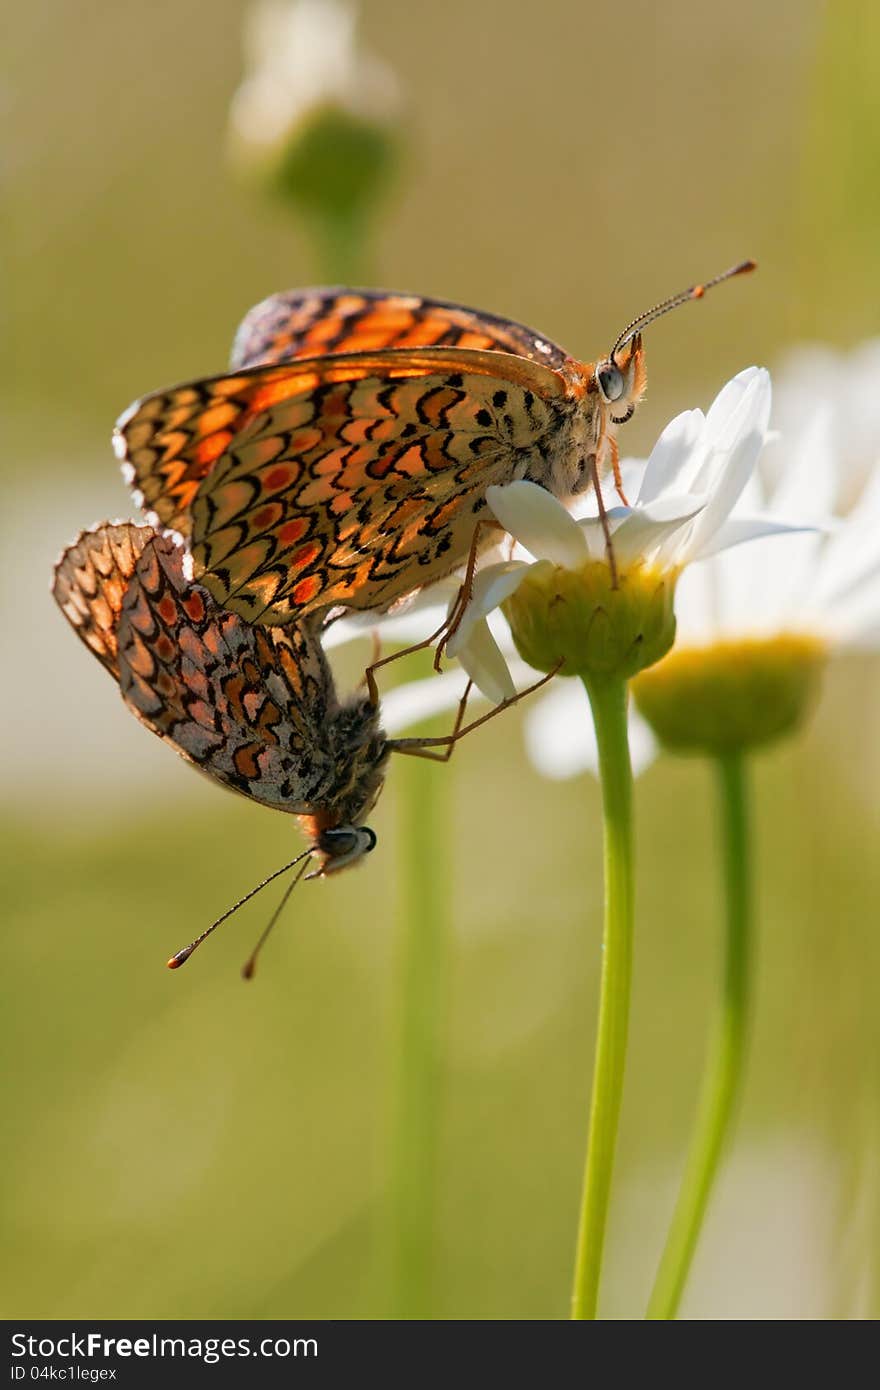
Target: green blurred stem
(723,1071)
(422,967)
(340,248)
(608,698)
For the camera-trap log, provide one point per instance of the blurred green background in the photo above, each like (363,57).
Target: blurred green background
(183,1145)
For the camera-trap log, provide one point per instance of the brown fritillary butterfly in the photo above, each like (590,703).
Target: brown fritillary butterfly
(344,459)
(254,707)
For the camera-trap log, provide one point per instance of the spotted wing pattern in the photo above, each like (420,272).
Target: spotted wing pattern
(250,706)
(347,479)
(316,322)
(90,584)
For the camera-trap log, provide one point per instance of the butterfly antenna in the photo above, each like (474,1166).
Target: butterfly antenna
(181,957)
(250,965)
(683,297)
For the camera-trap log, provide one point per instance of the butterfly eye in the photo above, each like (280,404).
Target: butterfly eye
(338,843)
(611,383)
(343,844)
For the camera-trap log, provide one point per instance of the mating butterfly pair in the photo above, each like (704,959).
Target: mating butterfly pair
(253,706)
(342,462)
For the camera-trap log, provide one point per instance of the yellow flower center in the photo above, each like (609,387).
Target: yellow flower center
(731,695)
(578,617)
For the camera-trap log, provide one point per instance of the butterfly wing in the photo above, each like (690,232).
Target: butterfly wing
(348,479)
(320,321)
(246,705)
(91,580)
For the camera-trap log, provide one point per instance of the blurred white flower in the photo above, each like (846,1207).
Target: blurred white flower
(822,582)
(820,585)
(775,609)
(817,387)
(316,117)
(300,54)
(755,630)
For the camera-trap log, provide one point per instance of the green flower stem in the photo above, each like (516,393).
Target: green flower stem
(340,248)
(723,1071)
(608,698)
(422,968)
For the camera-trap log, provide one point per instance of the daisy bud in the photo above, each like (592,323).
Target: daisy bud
(733,695)
(579,617)
(316,118)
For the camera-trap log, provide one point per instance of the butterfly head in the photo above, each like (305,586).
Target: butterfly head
(341,845)
(620,381)
(620,378)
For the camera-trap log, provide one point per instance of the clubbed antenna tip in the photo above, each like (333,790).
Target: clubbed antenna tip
(684,297)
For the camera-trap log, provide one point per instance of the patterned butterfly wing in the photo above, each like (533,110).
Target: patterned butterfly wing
(168,442)
(90,584)
(250,706)
(317,322)
(346,479)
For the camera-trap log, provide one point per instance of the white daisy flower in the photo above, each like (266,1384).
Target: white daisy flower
(772,611)
(817,385)
(693,499)
(697,473)
(769,614)
(755,629)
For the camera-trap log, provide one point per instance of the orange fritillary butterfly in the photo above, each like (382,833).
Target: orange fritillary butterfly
(254,707)
(345,458)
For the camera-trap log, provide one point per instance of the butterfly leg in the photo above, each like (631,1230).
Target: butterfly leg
(615,464)
(465,593)
(449,739)
(376,641)
(429,747)
(446,628)
(603,517)
(369,677)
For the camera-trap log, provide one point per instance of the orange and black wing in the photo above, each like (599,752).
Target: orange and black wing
(321,321)
(91,580)
(246,705)
(345,479)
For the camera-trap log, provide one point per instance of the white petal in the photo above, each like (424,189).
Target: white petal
(632,473)
(402,631)
(490,588)
(737,444)
(731,414)
(411,621)
(559,735)
(593,531)
(539,522)
(349,629)
(561,739)
(407,704)
(854,549)
(646,528)
(482,659)
(696,606)
(672,457)
(726,405)
(855,618)
(643,748)
(808,466)
(738,529)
